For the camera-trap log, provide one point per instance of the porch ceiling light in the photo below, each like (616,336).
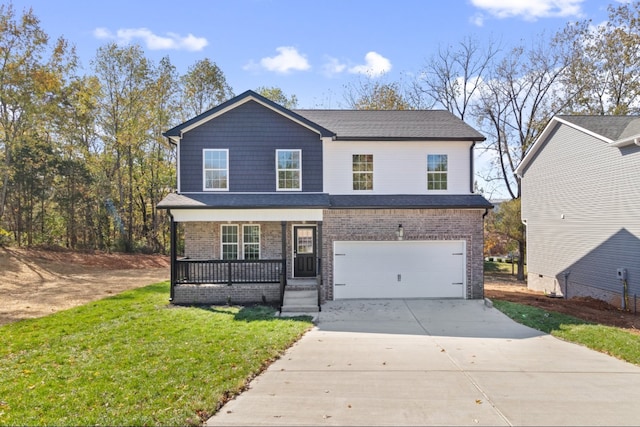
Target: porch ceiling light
(400,232)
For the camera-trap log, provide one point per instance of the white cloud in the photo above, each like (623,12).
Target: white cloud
(333,66)
(375,65)
(529,10)
(170,41)
(288,59)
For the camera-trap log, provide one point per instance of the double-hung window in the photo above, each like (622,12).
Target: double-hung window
(437,172)
(251,241)
(229,239)
(240,246)
(288,169)
(215,169)
(362,167)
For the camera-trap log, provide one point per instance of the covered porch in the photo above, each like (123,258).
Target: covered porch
(242,255)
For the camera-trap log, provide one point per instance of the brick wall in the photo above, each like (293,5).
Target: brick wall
(223,294)
(418,224)
(202,240)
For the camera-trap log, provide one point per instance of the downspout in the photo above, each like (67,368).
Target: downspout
(486,212)
(173,254)
(471,172)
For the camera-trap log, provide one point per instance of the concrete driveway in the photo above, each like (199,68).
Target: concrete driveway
(434,362)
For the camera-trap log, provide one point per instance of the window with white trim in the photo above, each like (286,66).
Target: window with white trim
(229,240)
(437,172)
(362,167)
(251,241)
(215,169)
(288,169)
(240,246)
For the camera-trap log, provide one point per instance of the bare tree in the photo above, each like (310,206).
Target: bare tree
(453,77)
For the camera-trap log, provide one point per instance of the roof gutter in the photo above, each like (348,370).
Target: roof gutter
(634,140)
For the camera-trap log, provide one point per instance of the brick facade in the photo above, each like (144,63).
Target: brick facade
(202,241)
(419,224)
(223,294)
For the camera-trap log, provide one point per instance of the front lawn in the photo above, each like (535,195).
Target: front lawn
(132,359)
(616,342)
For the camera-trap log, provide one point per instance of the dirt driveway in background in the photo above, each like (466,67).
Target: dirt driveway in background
(35,283)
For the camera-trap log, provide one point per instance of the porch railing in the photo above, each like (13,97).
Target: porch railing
(189,271)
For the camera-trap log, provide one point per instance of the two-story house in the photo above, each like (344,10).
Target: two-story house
(581,206)
(335,203)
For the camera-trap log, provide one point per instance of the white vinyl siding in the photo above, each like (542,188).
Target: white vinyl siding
(400,166)
(215,170)
(581,205)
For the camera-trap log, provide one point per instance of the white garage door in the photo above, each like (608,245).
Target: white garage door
(399,269)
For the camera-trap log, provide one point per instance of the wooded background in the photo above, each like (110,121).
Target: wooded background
(83,162)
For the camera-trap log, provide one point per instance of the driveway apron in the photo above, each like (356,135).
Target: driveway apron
(434,362)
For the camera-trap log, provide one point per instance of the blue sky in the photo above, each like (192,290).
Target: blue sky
(308,48)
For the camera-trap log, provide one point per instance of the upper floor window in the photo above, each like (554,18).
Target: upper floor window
(216,169)
(362,166)
(437,172)
(288,168)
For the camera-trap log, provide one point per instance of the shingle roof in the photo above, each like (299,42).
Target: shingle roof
(439,201)
(395,124)
(245,200)
(320,201)
(610,127)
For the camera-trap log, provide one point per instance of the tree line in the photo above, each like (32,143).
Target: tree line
(83,162)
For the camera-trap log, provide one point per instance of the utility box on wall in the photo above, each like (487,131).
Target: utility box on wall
(622,273)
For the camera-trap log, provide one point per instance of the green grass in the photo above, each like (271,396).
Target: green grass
(607,339)
(132,359)
(501,267)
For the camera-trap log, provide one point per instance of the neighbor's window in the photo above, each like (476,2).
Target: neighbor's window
(288,167)
(229,238)
(216,169)
(251,241)
(362,166)
(437,172)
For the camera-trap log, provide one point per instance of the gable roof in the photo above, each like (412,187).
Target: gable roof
(393,124)
(352,124)
(613,128)
(175,134)
(617,131)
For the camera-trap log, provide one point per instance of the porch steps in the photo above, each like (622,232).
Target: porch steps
(300,300)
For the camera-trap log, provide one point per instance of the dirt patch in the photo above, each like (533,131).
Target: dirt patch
(35,283)
(504,287)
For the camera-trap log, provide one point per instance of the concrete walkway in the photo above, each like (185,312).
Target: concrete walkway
(434,362)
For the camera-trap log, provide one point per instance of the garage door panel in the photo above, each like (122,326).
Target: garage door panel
(399,269)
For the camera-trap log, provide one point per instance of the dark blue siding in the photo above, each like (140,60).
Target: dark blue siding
(252,133)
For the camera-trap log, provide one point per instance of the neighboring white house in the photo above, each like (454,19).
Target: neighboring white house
(349,204)
(581,207)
